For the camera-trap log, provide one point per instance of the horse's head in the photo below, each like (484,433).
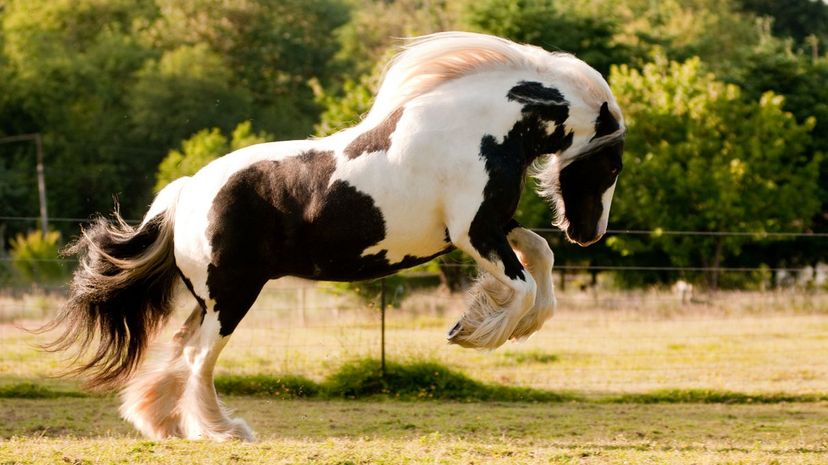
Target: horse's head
(586,188)
(578,177)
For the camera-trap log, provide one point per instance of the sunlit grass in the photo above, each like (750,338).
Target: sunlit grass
(340,432)
(607,343)
(639,378)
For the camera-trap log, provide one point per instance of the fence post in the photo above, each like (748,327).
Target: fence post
(382,336)
(41,179)
(41,185)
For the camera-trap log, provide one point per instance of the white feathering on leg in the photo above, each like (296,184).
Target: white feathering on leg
(489,321)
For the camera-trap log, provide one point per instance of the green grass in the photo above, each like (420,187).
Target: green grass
(35,391)
(627,378)
(614,343)
(88,430)
(426,381)
(711,396)
(278,387)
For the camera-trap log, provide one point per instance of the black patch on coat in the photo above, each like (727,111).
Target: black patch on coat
(511,226)
(582,184)
(377,139)
(280,218)
(605,124)
(532,92)
(506,163)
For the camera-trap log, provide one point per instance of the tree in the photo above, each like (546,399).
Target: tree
(714,30)
(188,88)
(202,148)
(540,22)
(69,65)
(376,26)
(699,156)
(114,84)
(775,66)
(346,110)
(271,48)
(798,19)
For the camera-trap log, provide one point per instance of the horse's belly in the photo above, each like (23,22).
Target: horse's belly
(366,267)
(332,261)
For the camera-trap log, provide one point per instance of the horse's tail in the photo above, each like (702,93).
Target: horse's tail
(122,291)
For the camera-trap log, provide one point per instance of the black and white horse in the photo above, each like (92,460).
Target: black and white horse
(437,164)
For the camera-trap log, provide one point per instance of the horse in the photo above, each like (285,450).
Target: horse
(438,163)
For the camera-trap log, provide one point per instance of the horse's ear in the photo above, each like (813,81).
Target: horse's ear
(605,124)
(535,93)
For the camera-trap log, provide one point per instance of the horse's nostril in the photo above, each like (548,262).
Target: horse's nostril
(453,331)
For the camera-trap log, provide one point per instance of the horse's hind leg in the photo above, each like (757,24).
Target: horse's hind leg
(151,400)
(202,415)
(175,396)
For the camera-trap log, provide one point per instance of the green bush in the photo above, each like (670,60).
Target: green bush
(35,257)
(425,380)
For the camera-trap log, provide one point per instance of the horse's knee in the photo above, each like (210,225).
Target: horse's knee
(533,250)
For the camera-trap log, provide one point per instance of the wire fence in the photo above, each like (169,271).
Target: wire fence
(599,340)
(602,339)
(646,232)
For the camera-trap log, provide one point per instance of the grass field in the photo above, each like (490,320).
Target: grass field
(739,378)
(341,432)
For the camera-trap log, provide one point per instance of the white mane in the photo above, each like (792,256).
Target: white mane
(431,60)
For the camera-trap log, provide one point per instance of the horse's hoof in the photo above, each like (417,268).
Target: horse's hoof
(457,335)
(454,332)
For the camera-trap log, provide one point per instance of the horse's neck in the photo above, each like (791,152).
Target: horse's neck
(453,118)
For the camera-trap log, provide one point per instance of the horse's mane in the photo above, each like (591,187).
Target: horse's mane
(428,61)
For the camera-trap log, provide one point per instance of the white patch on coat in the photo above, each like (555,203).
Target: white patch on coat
(415,185)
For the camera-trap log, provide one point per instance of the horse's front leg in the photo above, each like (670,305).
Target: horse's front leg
(534,253)
(501,299)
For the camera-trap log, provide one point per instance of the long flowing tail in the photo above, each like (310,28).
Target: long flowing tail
(121,292)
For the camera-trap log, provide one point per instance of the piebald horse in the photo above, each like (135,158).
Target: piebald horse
(437,164)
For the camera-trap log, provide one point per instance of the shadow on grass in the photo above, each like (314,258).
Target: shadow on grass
(30,390)
(363,379)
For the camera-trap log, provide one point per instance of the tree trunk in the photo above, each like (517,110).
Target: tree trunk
(717,261)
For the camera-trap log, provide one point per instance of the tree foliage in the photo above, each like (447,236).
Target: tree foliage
(798,19)
(115,86)
(700,156)
(202,148)
(541,22)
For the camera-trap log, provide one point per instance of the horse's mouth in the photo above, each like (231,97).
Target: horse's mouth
(584,240)
(589,242)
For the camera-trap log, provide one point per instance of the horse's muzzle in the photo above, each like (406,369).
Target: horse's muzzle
(584,239)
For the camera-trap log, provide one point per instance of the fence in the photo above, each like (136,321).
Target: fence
(600,340)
